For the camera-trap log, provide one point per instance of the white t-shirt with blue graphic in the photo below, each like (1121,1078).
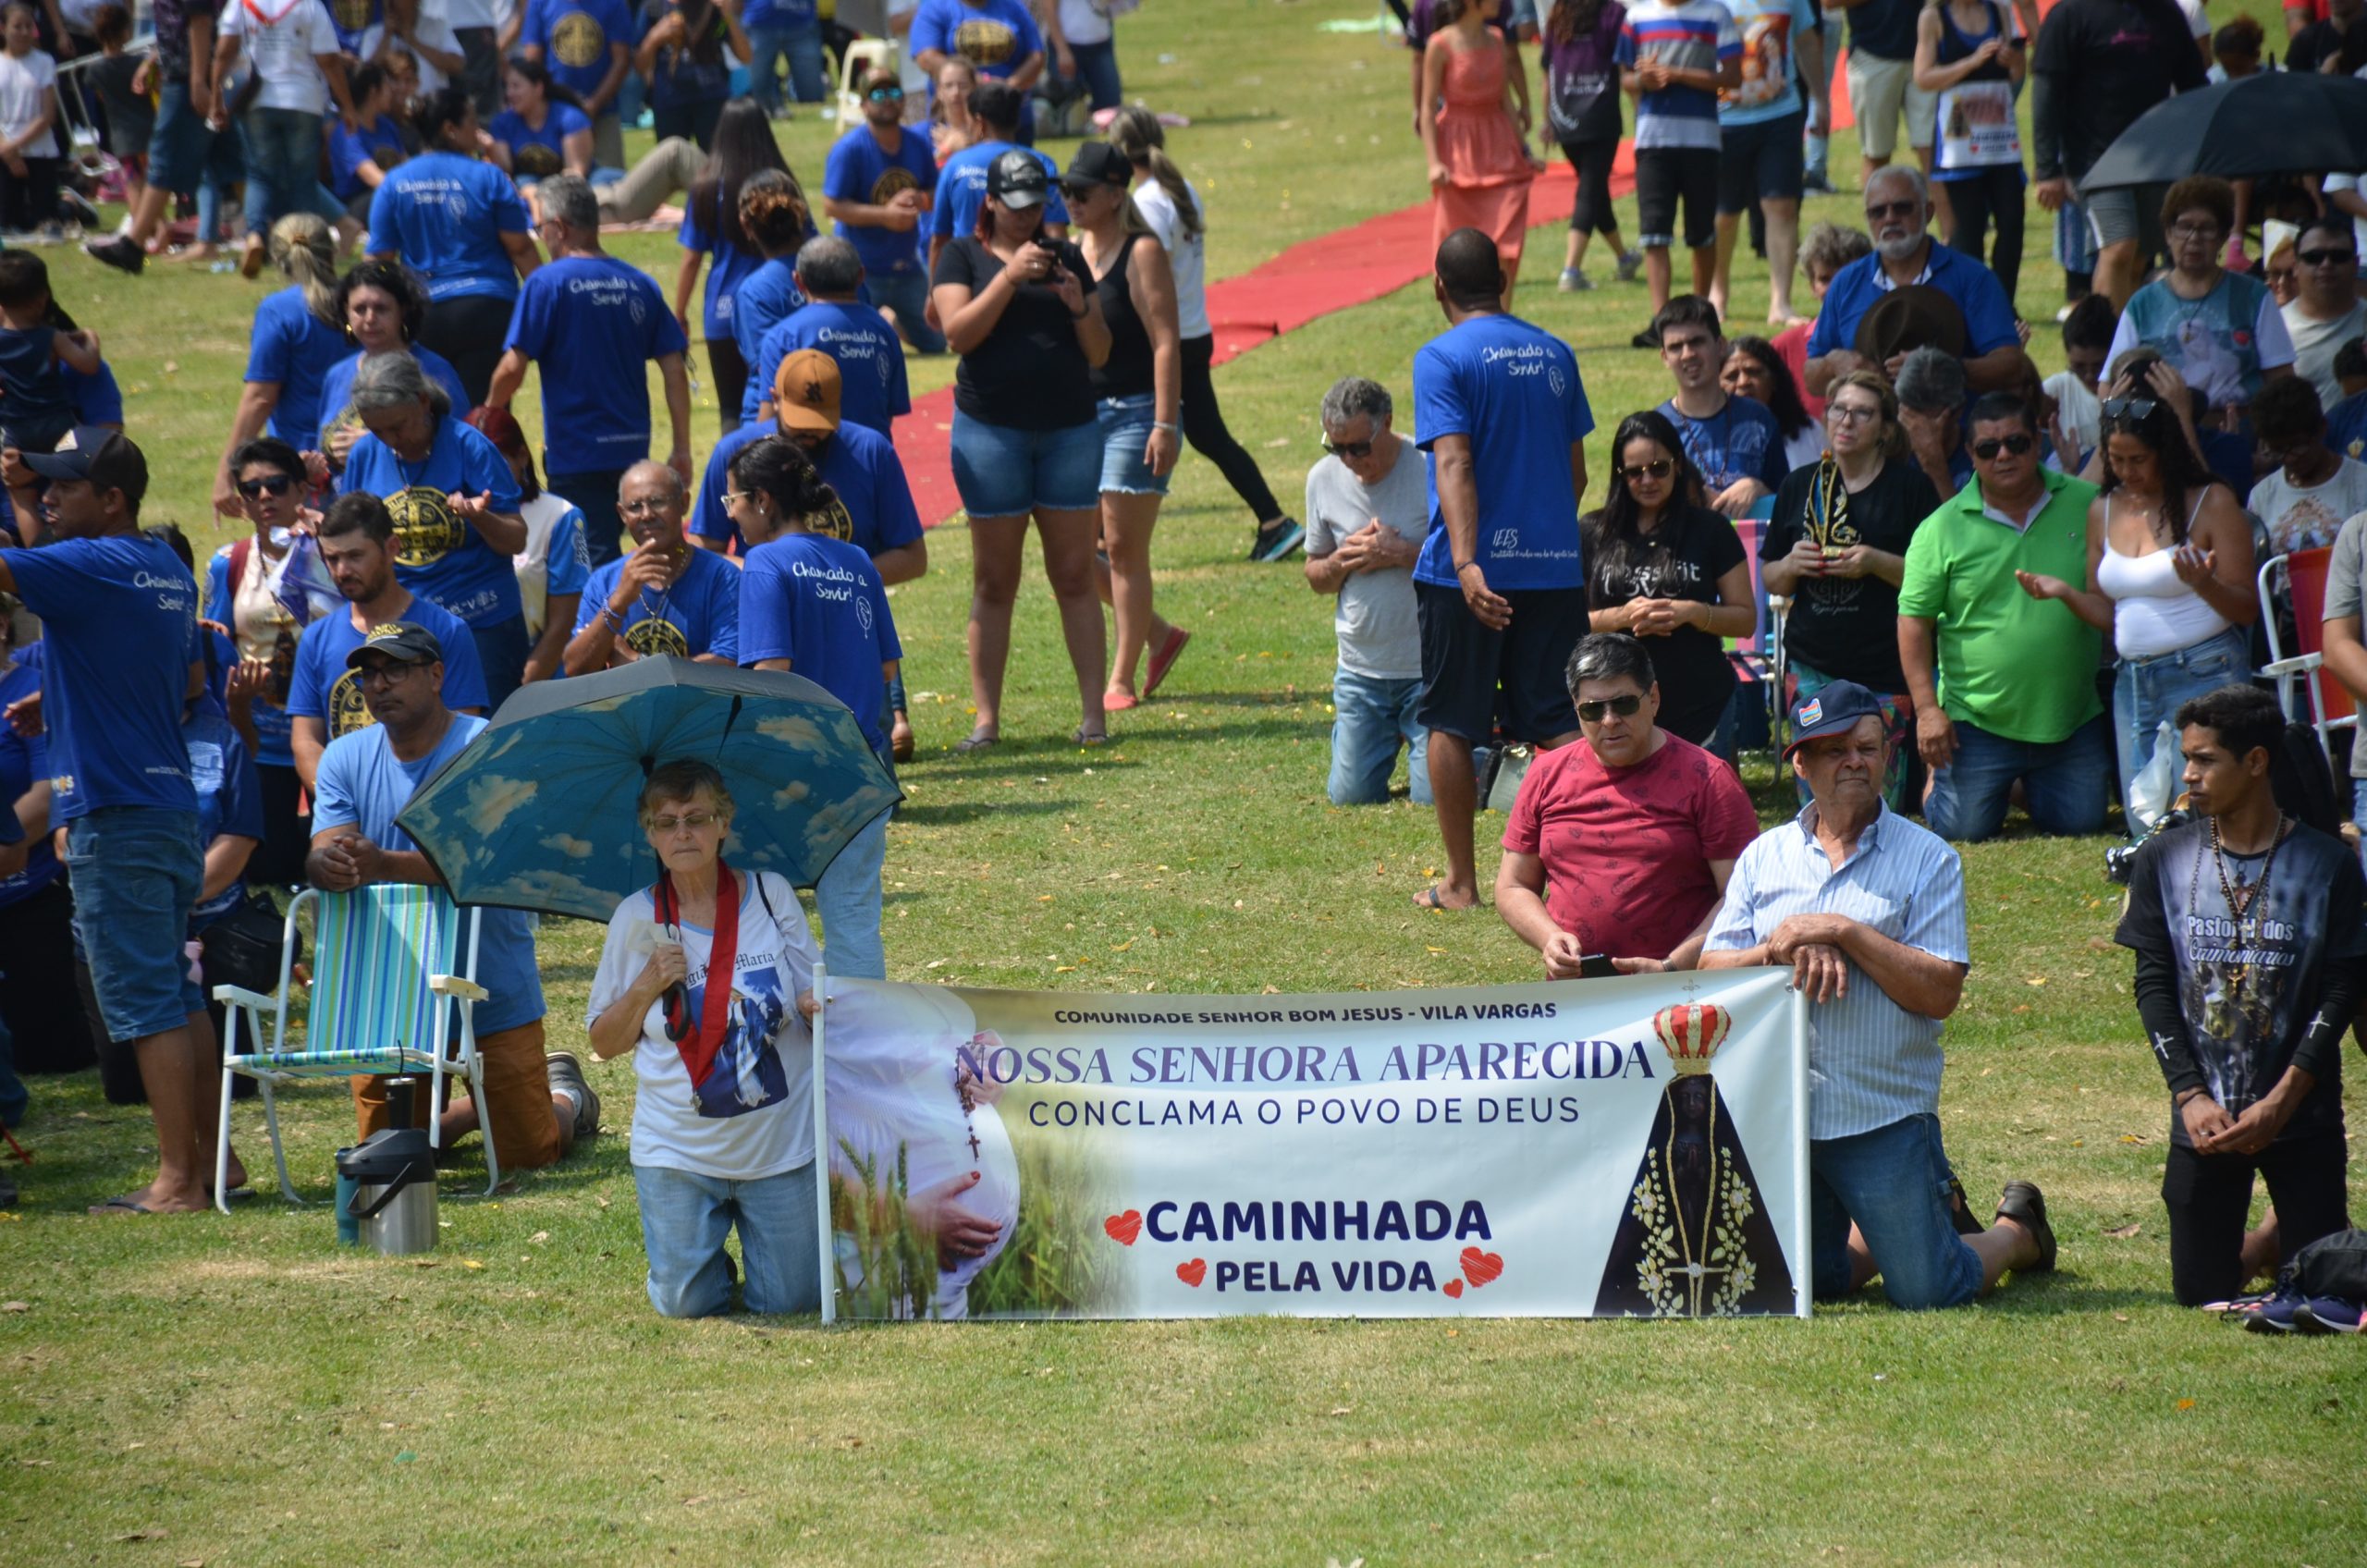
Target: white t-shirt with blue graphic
(754,1116)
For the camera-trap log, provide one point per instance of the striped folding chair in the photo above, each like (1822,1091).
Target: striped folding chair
(385,981)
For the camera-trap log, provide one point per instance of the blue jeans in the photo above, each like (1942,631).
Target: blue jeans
(800,44)
(283,152)
(2147,692)
(1096,73)
(906,293)
(2065,784)
(1371,717)
(847,898)
(1894,1183)
(685,1218)
(136,871)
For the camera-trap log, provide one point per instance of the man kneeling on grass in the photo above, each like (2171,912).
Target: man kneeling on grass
(2246,926)
(1868,910)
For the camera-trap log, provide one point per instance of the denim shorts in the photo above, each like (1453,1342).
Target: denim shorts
(136,871)
(1002,471)
(686,1216)
(1125,425)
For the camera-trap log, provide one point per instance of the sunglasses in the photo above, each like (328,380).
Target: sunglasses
(2018,445)
(1881,210)
(2328,258)
(885,94)
(1349,449)
(2130,408)
(1659,468)
(1591,713)
(271,485)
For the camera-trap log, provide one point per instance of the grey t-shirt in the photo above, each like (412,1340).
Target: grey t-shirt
(2343,599)
(2316,343)
(1375,621)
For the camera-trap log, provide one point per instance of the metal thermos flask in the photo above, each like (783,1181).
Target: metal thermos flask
(387,1185)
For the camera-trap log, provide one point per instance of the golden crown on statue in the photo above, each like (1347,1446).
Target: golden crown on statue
(1691,1034)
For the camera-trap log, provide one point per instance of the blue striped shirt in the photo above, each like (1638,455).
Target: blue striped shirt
(1871,1062)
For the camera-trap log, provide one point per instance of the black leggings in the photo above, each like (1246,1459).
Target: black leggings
(1592,212)
(2210,1197)
(469,332)
(731,379)
(1204,427)
(1994,195)
(286,829)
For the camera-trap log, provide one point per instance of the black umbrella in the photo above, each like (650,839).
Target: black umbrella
(2275,122)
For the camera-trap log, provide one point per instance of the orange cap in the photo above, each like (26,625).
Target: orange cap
(806,391)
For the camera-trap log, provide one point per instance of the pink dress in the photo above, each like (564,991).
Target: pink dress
(1487,166)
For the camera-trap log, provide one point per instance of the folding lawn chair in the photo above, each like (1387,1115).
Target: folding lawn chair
(2304,690)
(384,985)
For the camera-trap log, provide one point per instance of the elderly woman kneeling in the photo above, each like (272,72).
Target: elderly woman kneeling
(723,1124)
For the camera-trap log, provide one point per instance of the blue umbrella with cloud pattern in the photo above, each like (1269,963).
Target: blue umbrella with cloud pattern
(540,812)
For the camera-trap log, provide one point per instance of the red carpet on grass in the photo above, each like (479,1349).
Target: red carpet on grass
(1349,266)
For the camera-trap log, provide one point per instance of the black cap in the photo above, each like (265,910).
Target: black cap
(1098,163)
(1018,178)
(1833,710)
(400,639)
(106,457)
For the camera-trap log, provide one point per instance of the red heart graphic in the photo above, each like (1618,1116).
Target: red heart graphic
(1479,1268)
(1125,1228)
(1454,1287)
(1192,1273)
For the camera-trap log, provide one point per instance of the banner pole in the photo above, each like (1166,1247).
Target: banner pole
(1804,1269)
(829,1274)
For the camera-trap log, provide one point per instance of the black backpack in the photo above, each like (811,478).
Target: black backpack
(2333,1266)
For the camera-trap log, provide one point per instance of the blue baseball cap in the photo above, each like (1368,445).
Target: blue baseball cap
(1834,710)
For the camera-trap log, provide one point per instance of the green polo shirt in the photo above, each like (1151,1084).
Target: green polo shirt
(2019,667)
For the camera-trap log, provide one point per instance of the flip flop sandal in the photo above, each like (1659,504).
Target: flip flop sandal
(1079,737)
(120,1206)
(977,743)
(1429,898)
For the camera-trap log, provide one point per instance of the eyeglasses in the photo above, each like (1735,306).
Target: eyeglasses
(2190,230)
(729,496)
(1359,449)
(1850,413)
(649,507)
(696,821)
(2329,258)
(1659,468)
(386,674)
(1878,211)
(2018,445)
(885,95)
(1591,713)
(270,484)
(2130,408)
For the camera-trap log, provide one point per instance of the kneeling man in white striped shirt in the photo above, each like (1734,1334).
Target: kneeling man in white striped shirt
(1868,909)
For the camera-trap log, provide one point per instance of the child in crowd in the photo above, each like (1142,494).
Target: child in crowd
(36,410)
(121,79)
(2086,341)
(1675,60)
(30,155)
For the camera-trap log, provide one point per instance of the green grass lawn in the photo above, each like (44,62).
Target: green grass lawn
(240,1391)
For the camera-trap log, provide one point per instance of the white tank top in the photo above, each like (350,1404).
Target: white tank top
(2154,612)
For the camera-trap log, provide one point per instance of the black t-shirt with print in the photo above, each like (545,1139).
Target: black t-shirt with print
(1682,558)
(1847,627)
(2249,989)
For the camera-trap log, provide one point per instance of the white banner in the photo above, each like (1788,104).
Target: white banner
(1630,1146)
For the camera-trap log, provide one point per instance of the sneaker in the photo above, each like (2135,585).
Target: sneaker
(566,1075)
(119,253)
(1573,281)
(1629,260)
(1815,182)
(1277,539)
(2276,1314)
(2024,1205)
(2330,1315)
(1648,338)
